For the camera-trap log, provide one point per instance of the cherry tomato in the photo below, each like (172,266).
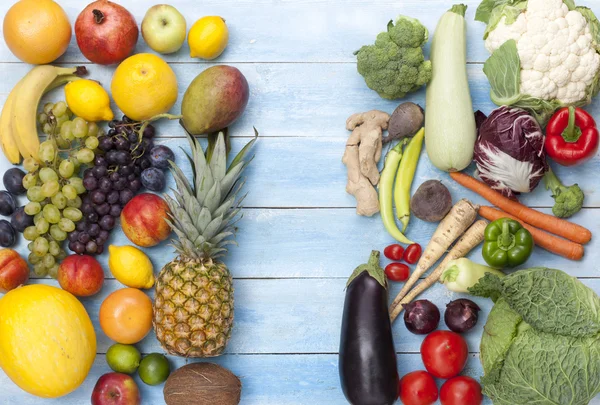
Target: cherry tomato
(418,388)
(461,390)
(444,353)
(412,253)
(397,271)
(394,252)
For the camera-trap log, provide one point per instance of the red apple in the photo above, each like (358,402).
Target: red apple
(82,276)
(106,32)
(13,270)
(116,389)
(144,220)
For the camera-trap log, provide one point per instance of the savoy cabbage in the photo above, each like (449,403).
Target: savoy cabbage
(541,342)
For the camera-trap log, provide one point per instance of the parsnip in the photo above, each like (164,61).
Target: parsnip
(471,238)
(460,217)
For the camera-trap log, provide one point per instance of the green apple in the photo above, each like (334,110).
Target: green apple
(164,28)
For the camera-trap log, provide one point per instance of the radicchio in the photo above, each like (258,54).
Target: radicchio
(509,151)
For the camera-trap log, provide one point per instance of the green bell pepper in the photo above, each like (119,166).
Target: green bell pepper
(506,243)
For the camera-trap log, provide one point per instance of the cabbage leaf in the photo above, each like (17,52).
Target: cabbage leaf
(541,342)
(503,70)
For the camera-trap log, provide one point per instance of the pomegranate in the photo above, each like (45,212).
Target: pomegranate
(106,32)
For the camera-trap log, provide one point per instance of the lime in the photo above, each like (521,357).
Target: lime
(123,358)
(154,369)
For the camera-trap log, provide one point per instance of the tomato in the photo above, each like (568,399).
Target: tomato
(444,353)
(412,253)
(397,271)
(394,252)
(418,388)
(461,390)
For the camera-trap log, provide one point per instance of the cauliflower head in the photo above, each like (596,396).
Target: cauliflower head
(557,53)
(395,65)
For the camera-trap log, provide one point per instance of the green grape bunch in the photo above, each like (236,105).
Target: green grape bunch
(54,185)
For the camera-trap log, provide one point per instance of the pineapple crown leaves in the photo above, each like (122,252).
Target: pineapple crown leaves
(204,211)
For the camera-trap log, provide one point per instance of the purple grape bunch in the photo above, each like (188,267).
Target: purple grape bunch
(111,182)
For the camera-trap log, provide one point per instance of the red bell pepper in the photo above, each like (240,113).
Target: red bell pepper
(571,136)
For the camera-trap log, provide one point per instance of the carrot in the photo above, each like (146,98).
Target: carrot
(471,238)
(553,244)
(460,217)
(557,226)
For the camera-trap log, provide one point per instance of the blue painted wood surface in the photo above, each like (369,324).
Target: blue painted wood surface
(300,238)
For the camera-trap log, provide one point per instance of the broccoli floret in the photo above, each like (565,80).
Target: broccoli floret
(568,200)
(395,65)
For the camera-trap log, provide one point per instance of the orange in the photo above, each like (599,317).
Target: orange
(144,86)
(37,31)
(126,315)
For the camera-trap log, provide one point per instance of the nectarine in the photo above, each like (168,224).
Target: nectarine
(144,220)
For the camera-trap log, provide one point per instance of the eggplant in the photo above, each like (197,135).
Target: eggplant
(367,363)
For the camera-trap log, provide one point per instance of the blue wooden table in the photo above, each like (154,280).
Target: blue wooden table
(300,237)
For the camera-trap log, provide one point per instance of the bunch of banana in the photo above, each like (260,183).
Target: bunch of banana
(18,121)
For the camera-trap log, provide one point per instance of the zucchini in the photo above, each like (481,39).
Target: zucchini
(450,130)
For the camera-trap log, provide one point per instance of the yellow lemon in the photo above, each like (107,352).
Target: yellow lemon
(130,266)
(208,38)
(144,86)
(88,99)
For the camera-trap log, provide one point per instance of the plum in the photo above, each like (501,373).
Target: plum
(160,156)
(13,181)
(153,179)
(7,203)
(20,220)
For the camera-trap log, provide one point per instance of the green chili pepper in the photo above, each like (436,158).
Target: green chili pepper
(386,184)
(506,243)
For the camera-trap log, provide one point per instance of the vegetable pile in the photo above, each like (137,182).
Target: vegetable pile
(540,343)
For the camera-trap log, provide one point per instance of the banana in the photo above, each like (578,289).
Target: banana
(11,149)
(60,81)
(25,104)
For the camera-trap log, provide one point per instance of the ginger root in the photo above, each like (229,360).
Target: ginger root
(363,152)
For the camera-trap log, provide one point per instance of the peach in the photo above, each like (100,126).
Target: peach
(82,276)
(144,220)
(13,270)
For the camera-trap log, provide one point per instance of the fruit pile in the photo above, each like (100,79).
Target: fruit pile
(82,177)
(53,184)
(111,183)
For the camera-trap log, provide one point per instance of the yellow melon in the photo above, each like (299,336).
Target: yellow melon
(47,340)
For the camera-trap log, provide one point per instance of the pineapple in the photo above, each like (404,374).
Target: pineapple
(193,308)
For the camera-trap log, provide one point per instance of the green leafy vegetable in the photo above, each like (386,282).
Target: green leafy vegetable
(509,11)
(541,342)
(395,64)
(487,12)
(503,70)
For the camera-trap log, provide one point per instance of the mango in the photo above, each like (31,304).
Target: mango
(214,100)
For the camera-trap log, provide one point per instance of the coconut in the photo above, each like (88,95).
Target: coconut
(202,384)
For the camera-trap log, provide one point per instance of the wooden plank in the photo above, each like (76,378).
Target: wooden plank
(266,380)
(309,243)
(306,173)
(278,316)
(286,99)
(293,31)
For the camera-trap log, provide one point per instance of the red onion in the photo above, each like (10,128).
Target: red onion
(461,315)
(421,317)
